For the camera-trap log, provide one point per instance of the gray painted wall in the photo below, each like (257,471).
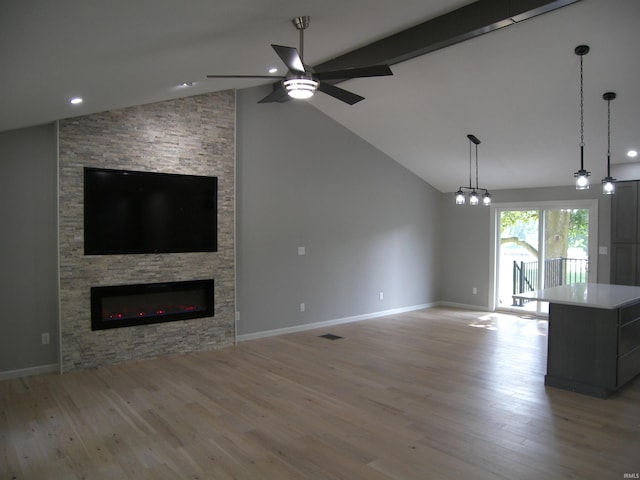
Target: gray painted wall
(466,239)
(368,225)
(29,247)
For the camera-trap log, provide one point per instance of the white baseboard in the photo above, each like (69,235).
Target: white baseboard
(329,323)
(26,372)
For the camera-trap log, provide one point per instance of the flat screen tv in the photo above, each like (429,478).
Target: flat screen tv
(143,212)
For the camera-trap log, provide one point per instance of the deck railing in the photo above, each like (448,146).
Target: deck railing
(557,271)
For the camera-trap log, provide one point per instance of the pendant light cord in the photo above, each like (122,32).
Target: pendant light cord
(581,116)
(477,166)
(608,137)
(470,186)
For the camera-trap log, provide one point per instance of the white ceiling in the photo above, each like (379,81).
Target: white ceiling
(516,89)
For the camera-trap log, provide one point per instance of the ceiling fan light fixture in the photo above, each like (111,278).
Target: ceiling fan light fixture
(300,88)
(301,83)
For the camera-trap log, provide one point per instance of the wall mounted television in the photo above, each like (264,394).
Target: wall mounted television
(142,212)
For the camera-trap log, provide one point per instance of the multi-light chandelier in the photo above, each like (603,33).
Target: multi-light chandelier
(582,175)
(474,195)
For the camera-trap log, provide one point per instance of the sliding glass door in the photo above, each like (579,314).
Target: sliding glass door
(541,246)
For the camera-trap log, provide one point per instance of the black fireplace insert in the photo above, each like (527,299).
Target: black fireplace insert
(141,304)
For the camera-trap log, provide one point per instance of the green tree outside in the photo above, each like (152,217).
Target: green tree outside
(565,228)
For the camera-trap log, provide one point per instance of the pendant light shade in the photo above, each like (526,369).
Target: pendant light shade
(581,176)
(608,186)
(608,183)
(474,195)
(582,179)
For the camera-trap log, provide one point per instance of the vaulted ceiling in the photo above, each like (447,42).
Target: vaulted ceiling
(516,88)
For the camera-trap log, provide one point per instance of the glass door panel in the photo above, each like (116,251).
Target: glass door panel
(540,248)
(518,256)
(566,246)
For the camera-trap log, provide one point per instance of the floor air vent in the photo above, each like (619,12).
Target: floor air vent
(330,336)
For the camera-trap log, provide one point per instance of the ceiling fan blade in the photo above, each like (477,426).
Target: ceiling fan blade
(279,94)
(290,57)
(340,93)
(359,72)
(244,76)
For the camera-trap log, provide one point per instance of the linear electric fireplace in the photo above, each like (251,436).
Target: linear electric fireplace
(128,305)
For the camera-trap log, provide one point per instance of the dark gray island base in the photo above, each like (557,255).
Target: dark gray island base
(594,351)
(594,337)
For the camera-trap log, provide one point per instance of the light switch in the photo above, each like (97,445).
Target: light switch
(603,250)
(301,251)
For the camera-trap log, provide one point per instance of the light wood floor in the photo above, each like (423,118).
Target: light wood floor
(435,394)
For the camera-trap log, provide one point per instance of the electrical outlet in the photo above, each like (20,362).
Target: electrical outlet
(45,338)
(302,307)
(474,291)
(381,296)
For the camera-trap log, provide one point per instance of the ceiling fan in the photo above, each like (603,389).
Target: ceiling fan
(301,81)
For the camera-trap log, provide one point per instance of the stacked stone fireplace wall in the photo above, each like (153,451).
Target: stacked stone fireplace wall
(195,136)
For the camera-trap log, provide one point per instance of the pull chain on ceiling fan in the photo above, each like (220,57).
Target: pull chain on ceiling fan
(301,81)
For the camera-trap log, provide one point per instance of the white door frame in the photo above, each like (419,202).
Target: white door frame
(591,204)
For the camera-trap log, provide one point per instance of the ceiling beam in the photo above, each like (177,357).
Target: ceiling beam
(467,22)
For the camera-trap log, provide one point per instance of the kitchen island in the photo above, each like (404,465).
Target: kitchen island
(594,336)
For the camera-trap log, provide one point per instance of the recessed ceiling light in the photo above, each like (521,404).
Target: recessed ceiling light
(187,84)
(632,154)
(75,101)
(273,70)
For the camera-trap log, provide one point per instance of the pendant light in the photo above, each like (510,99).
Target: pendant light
(474,196)
(581,176)
(608,183)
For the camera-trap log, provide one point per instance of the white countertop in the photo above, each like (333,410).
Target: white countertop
(598,295)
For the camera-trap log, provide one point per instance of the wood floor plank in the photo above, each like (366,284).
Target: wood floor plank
(434,394)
